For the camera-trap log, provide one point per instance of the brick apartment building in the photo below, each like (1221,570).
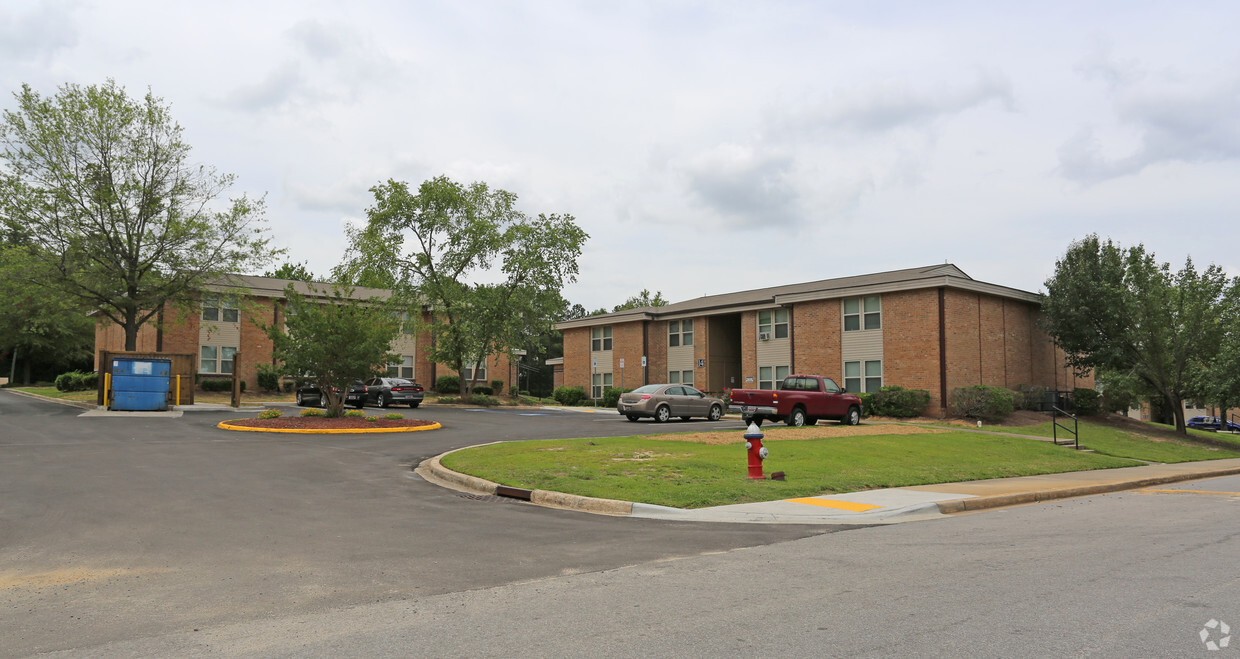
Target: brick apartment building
(932,328)
(227,320)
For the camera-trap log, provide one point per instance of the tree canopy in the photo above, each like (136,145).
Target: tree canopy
(488,275)
(119,218)
(642,299)
(1120,310)
(332,339)
(293,271)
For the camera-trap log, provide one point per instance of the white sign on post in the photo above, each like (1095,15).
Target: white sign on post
(622,362)
(593,363)
(643,360)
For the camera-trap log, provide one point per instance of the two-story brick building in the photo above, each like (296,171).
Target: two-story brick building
(228,320)
(932,328)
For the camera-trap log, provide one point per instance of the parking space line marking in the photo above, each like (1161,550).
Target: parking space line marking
(1232,494)
(831,503)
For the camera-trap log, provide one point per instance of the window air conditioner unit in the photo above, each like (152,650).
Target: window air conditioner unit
(764,336)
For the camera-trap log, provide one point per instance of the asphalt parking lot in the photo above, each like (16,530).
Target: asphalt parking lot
(112,528)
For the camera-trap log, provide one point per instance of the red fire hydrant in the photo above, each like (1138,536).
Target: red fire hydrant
(757,452)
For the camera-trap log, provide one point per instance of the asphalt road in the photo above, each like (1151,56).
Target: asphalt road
(170,538)
(115,528)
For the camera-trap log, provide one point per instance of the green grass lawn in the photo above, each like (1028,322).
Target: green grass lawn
(691,475)
(53,392)
(1118,442)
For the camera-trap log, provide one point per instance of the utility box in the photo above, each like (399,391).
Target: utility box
(140,384)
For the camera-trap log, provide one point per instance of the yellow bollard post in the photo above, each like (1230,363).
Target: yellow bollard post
(178,390)
(107,390)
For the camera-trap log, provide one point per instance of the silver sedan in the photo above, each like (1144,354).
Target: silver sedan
(664,401)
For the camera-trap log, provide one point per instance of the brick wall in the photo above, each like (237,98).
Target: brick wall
(911,342)
(656,371)
(626,343)
(577,357)
(816,329)
(749,350)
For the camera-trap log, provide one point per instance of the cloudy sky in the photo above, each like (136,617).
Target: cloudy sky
(706,147)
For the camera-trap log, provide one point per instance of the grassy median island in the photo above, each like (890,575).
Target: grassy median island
(696,470)
(1139,439)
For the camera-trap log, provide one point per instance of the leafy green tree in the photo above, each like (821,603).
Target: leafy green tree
(120,219)
(489,276)
(332,339)
(293,271)
(37,328)
(1217,378)
(641,300)
(1118,309)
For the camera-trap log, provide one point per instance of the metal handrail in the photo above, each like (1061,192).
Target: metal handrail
(1055,412)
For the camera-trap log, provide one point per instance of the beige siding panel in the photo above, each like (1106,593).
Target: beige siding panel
(405,344)
(866,344)
(776,352)
(214,333)
(604,360)
(680,358)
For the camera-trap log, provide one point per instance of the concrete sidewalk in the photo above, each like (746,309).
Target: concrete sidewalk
(885,506)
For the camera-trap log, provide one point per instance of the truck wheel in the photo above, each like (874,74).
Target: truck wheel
(796,418)
(716,413)
(662,414)
(853,417)
(811,420)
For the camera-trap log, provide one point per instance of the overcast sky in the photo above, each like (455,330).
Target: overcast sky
(705,147)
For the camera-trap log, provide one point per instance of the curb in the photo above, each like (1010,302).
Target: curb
(224,425)
(72,403)
(1001,500)
(433,470)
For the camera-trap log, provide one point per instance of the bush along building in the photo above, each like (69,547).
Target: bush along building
(933,328)
(228,318)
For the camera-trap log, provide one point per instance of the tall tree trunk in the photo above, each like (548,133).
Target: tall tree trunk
(1177,411)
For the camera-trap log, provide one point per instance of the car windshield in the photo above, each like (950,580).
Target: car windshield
(648,389)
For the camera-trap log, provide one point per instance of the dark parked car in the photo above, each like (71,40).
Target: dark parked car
(664,401)
(309,394)
(389,391)
(1212,423)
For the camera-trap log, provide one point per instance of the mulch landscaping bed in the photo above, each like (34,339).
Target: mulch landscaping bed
(323,423)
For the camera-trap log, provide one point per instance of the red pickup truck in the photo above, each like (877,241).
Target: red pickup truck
(801,400)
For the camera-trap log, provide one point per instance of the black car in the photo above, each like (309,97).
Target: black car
(309,394)
(388,391)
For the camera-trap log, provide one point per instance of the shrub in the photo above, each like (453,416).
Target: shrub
(394,416)
(288,387)
(91,380)
(897,402)
(76,381)
(372,419)
(611,396)
(1085,402)
(483,390)
(312,411)
(569,396)
(448,384)
(271,413)
(983,402)
(867,403)
(448,400)
(482,400)
(268,378)
(497,386)
(218,384)
(1030,397)
(355,414)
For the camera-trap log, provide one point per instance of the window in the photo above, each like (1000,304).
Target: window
(773,323)
(216,308)
(402,368)
(600,339)
(679,333)
(468,374)
(601,381)
(216,359)
(680,377)
(770,377)
(863,312)
(872,378)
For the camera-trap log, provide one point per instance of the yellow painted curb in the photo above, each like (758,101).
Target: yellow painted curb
(328,431)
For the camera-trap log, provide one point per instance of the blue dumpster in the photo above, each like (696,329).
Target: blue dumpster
(140,384)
